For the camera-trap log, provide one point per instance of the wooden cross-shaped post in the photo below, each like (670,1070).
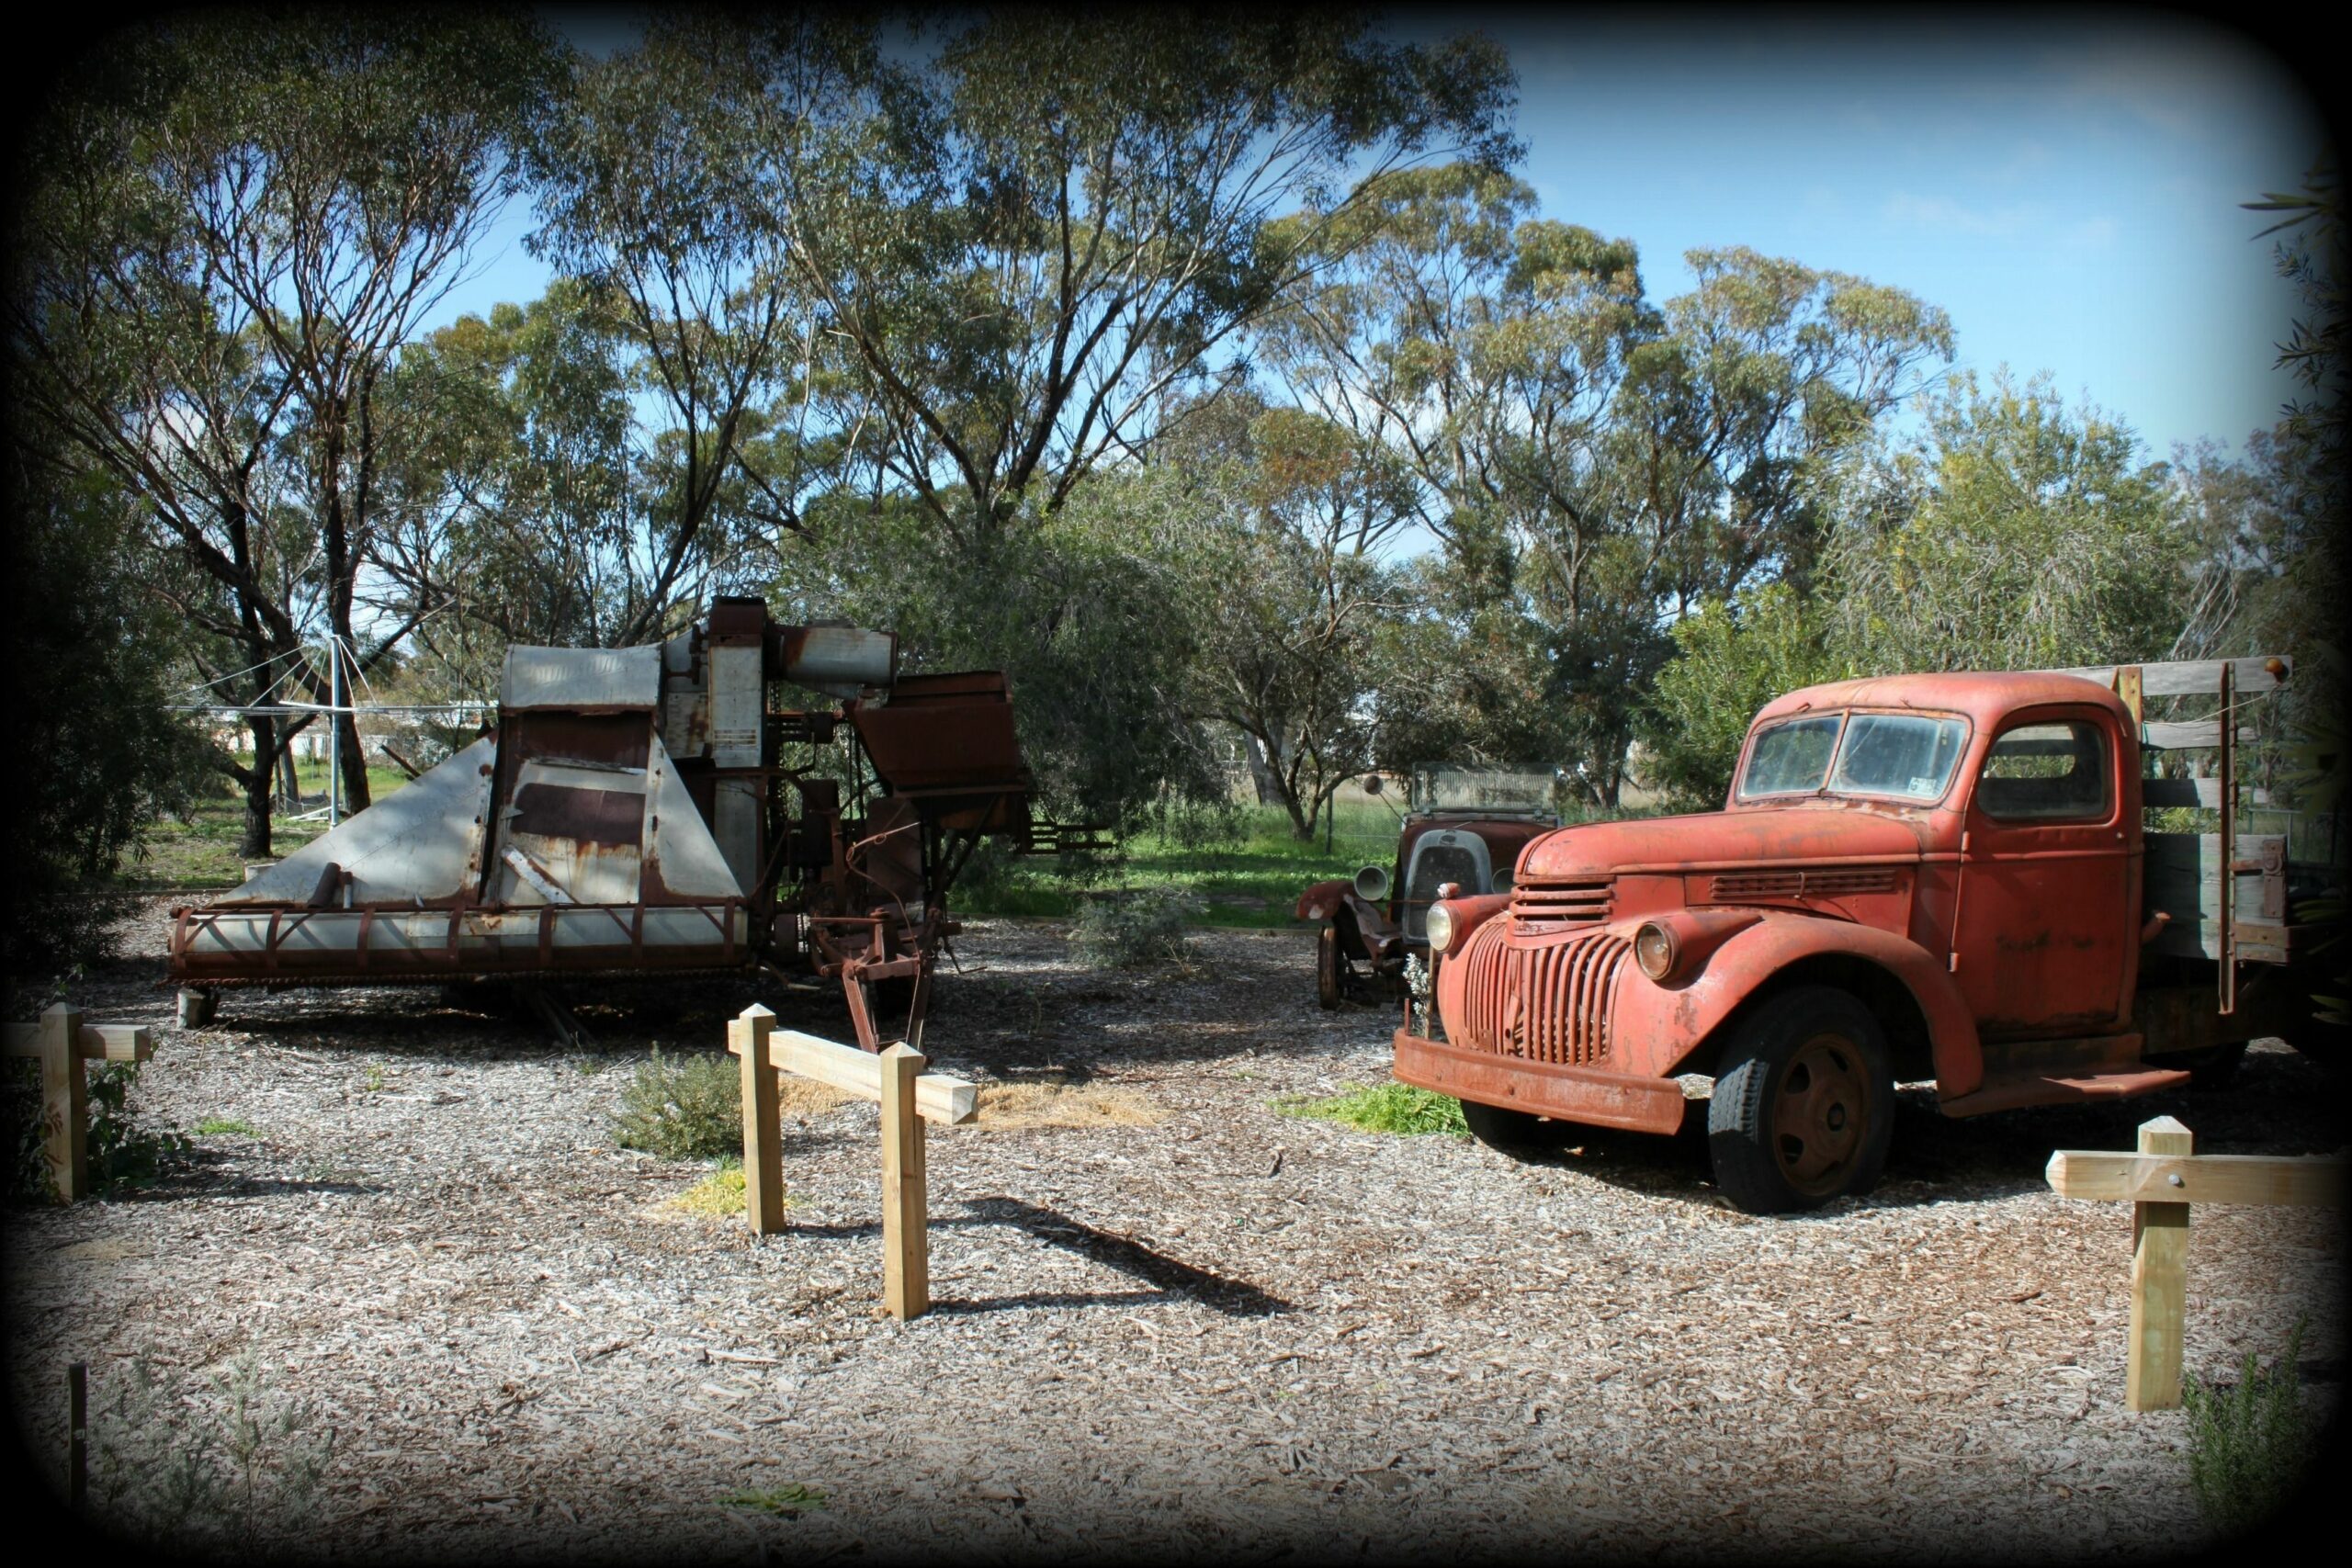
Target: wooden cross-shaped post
(64,1043)
(2160,1183)
(909,1096)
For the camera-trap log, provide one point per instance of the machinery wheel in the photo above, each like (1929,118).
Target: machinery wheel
(1330,966)
(1804,1106)
(1517,1134)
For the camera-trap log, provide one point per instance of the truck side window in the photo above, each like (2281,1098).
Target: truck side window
(2047,772)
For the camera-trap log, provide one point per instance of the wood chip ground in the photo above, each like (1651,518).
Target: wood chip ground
(1228,1334)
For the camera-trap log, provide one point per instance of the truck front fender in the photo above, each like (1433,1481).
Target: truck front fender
(1659,1029)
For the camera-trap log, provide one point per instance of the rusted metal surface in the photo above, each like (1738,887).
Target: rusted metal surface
(1996,931)
(650,809)
(1462,844)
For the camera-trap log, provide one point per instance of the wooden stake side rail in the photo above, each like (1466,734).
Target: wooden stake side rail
(908,1098)
(64,1043)
(2160,1183)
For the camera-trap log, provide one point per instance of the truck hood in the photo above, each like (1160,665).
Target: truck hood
(1792,835)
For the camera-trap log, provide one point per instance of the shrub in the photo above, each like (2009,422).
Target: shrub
(1125,930)
(219,1460)
(123,1150)
(1386,1108)
(682,1108)
(2247,1445)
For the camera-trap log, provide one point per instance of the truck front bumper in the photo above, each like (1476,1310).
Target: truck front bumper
(1588,1095)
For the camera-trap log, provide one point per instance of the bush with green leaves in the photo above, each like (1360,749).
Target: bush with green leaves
(1386,1107)
(218,1460)
(682,1107)
(1131,929)
(2247,1445)
(124,1150)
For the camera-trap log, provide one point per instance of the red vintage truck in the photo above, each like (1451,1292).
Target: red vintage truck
(1938,877)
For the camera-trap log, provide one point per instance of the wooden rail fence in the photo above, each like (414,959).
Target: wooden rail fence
(2160,1181)
(64,1043)
(909,1096)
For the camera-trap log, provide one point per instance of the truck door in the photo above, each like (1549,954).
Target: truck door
(2046,896)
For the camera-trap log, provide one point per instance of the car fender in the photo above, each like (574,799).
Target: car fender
(1328,900)
(1657,1027)
(1323,900)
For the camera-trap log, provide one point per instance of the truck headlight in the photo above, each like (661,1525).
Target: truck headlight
(1656,949)
(1440,927)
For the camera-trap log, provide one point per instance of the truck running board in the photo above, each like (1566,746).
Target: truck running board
(2010,1092)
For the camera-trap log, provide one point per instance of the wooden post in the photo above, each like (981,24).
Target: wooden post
(763,1120)
(77,1445)
(905,1245)
(64,1101)
(2159,1281)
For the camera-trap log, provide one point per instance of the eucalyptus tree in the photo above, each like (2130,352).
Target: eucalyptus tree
(238,220)
(1592,462)
(506,514)
(1035,239)
(661,183)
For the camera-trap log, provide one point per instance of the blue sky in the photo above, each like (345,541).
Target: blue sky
(2066,188)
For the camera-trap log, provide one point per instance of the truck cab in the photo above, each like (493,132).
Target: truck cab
(1939,877)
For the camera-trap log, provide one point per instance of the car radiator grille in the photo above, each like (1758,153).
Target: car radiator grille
(1550,907)
(1544,1004)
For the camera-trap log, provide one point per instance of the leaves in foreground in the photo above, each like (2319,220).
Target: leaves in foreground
(1386,1107)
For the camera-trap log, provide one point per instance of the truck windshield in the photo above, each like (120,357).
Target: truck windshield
(1909,756)
(1447,787)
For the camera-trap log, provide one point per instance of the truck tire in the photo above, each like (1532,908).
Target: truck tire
(1330,966)
(1517,1133)
(1803,1106)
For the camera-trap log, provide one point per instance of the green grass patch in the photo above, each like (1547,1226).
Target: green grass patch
(202,854)
(229,1126)
(788,1500)
(1384,1108)
(719,1195)
(2248,1446)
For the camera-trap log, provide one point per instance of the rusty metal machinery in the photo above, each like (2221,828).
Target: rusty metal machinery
(659,809)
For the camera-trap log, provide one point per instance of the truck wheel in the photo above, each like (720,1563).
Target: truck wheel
(1329,969)
(1804,1106)
(1516,1132)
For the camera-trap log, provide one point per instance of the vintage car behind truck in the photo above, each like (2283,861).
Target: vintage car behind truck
(1917,877)
(1463,826)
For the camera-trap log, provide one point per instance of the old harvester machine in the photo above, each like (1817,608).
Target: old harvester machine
(659,810)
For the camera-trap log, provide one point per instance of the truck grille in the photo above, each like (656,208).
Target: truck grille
(1551,907)
(1544,1004)
(1828,883)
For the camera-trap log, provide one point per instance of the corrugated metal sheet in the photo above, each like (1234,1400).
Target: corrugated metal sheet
(585,678)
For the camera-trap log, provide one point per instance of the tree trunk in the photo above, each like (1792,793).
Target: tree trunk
(257,781)
(342,569)
(289,782)
(1261,774)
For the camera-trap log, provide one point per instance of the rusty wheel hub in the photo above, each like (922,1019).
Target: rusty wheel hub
(1821,1114)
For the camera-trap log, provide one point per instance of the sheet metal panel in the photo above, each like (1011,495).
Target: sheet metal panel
(422,843)
(585,678)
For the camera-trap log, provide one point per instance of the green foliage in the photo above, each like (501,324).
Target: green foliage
(111,760)
(1134,929)
(226,1126)
(1731,659)
(221,1461)
(1386,1108)
(2248,1446)
(720,1193)
(788,1500)
(124,1149)
(1587,458)
(681,1108)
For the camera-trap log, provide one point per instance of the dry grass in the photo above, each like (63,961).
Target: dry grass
(806,1097)
(1057,1102)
